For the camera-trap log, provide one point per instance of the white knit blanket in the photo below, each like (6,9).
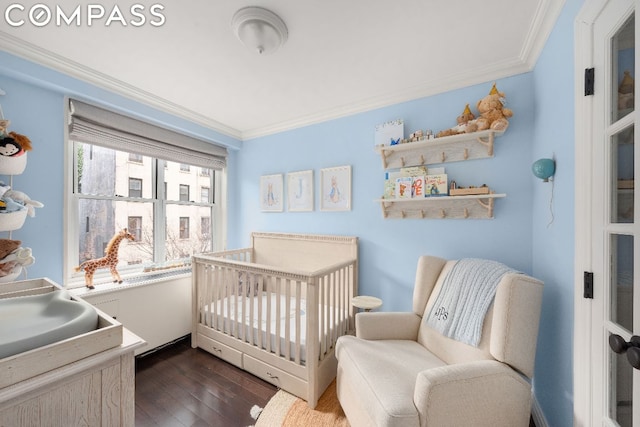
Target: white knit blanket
(464,298)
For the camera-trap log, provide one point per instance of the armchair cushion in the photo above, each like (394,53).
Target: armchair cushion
(398,371)
(373,373)
(387,326)
(452,395)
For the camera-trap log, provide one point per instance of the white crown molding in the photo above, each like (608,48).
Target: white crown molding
(471,77)
(33,53)
(542,25)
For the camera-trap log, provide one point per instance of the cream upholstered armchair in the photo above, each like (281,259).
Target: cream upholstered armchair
(462,357)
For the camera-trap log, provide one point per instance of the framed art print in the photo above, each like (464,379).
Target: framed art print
(335,189)
(300,191)
(271,193)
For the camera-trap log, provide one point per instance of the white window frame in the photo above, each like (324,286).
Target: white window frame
(72,223)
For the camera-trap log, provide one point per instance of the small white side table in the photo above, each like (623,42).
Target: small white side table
(365,302)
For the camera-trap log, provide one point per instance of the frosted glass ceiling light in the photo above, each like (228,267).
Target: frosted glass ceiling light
(259,29)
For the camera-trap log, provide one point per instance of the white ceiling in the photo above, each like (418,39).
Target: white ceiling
(342,57)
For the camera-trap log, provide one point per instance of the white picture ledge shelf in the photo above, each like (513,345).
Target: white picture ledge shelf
(441,207)
(455,148)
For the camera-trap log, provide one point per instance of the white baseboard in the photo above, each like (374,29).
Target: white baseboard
(537,414)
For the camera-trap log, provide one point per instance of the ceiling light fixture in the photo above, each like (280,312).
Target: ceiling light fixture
(259,29)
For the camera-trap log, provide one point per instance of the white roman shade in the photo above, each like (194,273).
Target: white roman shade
(98,126)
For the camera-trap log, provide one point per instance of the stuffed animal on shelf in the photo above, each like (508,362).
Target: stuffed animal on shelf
(4,125)
(14,263)
(493,114)
(22,140)
(110,259)
(12,144)
(13,200)
(462,120)
(7,246)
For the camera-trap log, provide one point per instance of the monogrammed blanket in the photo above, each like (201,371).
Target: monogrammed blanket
(464,298)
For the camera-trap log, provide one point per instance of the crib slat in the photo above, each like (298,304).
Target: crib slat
(268,314)
(321,314)
(216,287)
(343,301)
(250,295)
(260,313)
(287,324)
(210,279)
(278,331)
(229,291)
(298,349)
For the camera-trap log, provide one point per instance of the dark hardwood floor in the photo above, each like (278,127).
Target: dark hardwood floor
(182,386)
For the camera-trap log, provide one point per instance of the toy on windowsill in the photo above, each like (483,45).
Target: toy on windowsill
(110,259)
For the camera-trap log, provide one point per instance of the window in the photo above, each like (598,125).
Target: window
(135,228)
(184,227)
(135,187)
(114,188)
(184,193)
(205,226)
(107,212)
(204,194)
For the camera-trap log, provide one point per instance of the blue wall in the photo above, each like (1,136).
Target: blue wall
(35,104)
(542,126)
(389,248)
(522,233)
(553,244)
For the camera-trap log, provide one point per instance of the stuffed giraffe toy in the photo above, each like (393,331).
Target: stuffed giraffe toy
(109,260)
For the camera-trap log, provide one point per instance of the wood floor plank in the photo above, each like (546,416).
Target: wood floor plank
(181,386)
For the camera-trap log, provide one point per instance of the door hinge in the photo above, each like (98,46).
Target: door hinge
(588,81)
(588,285)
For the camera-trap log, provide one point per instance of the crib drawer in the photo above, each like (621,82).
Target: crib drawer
(220,350)
(275,376)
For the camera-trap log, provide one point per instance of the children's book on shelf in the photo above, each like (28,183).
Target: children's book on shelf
(417,186)
(389,133)
(436,185)
(403,187)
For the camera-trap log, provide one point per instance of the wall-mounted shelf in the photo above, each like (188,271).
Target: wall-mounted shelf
(455,207)
(455,148)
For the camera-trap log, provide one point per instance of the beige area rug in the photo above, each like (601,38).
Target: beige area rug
(286,410)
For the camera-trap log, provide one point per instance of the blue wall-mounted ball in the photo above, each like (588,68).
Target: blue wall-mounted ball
(544,169)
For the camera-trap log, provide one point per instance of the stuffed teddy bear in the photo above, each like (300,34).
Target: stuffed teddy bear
(493,113)
(4,125)
(462,120)
(7,246)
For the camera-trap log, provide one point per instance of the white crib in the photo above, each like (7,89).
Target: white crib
(276,309)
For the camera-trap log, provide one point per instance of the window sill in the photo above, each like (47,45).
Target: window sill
(105,286)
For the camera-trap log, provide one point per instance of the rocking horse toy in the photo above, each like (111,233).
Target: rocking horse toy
(109,260)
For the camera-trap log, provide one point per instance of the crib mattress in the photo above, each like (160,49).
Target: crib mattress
(228,309)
